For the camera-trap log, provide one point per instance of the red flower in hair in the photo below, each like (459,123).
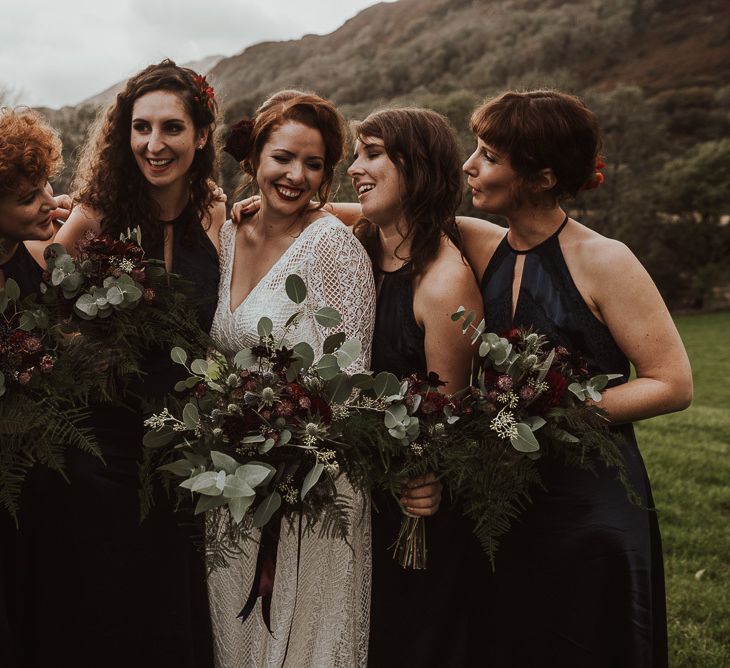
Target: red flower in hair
(238,143)
(206,93)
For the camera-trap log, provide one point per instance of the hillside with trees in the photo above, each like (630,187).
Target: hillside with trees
(657,72)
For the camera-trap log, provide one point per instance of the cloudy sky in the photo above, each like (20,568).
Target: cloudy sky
(54,53)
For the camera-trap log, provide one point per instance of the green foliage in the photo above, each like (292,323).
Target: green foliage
(688,458)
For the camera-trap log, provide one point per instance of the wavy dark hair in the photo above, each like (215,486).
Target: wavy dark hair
(422,145)
(308,109)
(107,177)
(541,129)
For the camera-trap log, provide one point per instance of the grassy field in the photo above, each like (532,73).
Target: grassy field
(688,458)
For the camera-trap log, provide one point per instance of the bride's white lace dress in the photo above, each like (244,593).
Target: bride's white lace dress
(320,614)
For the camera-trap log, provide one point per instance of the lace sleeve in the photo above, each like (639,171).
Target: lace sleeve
(341,277)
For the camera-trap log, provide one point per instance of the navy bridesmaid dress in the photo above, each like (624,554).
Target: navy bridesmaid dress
(579,579)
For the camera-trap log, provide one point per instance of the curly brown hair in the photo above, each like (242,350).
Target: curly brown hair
(423,146)
(308,109)
(107,177)
(30,150)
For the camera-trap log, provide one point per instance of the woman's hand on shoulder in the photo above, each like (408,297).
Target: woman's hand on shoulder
(81,220)
(64,205)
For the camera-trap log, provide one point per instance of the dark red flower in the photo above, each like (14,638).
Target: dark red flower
(557,386)
(239,143)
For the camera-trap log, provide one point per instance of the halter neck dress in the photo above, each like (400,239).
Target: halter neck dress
(103,588)
(418,618)
(579,579)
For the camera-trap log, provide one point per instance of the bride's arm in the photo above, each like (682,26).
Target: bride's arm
(342,278)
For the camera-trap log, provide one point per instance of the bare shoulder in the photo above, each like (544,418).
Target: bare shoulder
(214,221)
(589,250)
(448,276)
(480,239)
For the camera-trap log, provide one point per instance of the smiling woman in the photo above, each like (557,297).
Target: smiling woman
(148,163)
(321,591)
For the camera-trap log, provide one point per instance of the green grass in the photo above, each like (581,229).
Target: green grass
(687,455)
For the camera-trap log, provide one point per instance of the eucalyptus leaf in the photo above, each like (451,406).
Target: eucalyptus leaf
(210,483)
(338,389)
(534,422)
(546,366)
(328,367)
(306,353)
(525,440)
(190,415)
(470,318)
(199,367)
(266,446)
(12,290)
(178,355)
(158,437)
(348,352)
(256,438)
(182,468)
(236,487)
(191,382)
(255,473)
(562,435)
(206,503)
(363,381)
(296,290)
(459,314)
(27,322)
(180,386)
(239,506)
(245,359)
(333,342)
(577,390)
(267,509)
(328,317)
(311,479)
(265,327)
(223,461)
(386,384)
(395,415)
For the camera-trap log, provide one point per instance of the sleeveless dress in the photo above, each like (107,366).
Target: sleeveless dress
(26,272)
(321,598)
(579,579)
(418,617)
(103,588)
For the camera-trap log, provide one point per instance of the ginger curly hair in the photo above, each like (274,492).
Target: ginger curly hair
(30,150)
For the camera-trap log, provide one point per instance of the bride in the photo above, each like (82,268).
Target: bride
(321,590)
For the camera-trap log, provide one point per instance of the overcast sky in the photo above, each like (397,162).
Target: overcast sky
(61,52)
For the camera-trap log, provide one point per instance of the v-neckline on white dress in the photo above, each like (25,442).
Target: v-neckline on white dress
(233,311)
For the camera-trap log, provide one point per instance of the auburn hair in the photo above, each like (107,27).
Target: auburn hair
(541,129)
(30,150)
(308,109)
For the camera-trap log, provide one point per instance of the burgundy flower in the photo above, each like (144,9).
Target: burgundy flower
(557,386)
(148,295)
(504,383)
(239,142)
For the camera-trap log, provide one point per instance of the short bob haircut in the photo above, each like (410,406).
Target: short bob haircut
(108,178)
(541,129)
(422,145)
(308,109)
(30,150)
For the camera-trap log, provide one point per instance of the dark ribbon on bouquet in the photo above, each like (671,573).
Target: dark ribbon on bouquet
(263,580)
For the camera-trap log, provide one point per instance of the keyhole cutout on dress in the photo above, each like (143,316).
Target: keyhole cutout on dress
(169,231)
(517,281)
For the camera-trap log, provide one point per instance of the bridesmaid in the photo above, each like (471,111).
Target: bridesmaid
(407,175)
(138,589)
(30,155)
(579,580)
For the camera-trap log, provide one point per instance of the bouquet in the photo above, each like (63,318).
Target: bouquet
(528,400)
(121,303)
(407,425)
(42,385)
(260,435)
